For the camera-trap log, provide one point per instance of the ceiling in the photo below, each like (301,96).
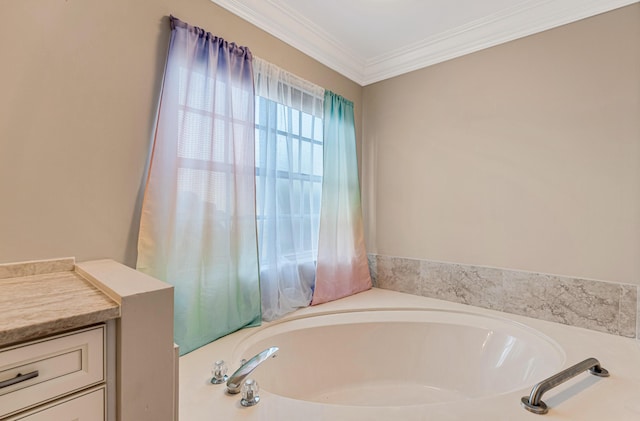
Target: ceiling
(372,40)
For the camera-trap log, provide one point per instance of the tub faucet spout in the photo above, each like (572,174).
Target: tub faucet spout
(235,381)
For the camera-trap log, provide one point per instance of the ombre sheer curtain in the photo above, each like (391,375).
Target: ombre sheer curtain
(289,170)
(342,267)
(198,223)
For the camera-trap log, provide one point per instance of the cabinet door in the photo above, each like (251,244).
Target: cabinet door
(86,406)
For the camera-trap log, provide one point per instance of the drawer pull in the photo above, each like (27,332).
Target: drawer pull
(19,378)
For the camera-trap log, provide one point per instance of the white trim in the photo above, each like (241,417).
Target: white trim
(525,19)
(510,24)
(300,33)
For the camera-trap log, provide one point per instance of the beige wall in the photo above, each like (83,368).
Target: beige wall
(79,84)
(524,156)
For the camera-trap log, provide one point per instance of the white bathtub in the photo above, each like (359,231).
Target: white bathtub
(382,355)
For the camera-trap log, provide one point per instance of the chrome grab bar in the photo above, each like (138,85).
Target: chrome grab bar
(234,383)
(534,403)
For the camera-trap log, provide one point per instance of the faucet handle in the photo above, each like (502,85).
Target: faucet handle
(250,390)
(219,372)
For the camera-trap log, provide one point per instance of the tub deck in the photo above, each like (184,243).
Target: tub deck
(583,398)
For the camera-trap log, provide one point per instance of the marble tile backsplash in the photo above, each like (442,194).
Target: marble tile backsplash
(603,306)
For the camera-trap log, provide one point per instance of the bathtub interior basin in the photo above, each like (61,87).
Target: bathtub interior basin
(400,357)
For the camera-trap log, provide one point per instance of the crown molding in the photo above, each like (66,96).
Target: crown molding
(510,24)
(525,19)
(299,32)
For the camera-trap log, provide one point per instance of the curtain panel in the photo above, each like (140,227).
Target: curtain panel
(198,223)
(289,163)
(342,267)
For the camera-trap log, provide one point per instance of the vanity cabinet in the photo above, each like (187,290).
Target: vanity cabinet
(91,341)
(62,377)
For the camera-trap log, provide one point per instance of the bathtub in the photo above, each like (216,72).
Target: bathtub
(383,355)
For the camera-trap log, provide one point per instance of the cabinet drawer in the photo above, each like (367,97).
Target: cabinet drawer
(86,406)
(43,370)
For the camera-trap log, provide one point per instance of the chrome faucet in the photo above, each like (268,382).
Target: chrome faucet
(235,381)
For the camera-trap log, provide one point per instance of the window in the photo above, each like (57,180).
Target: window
(289,149)
(206,151)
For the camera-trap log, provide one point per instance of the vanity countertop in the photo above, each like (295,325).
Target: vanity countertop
(44,297)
